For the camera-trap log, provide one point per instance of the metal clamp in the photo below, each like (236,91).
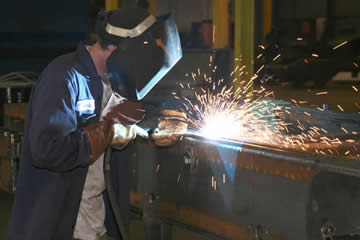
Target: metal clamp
(328,230)
(190,159)
(151,197)
(260,231)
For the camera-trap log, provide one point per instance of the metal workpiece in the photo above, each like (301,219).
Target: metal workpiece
(8,95)
(13,163)
(232,190)
(10,146)
(191,160)
(297,162)
(260,231)
(328,231)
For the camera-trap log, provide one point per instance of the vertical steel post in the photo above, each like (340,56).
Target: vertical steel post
(267,20)
(111,4)
(244,39)
(220,23)
(13,164)
(153,7)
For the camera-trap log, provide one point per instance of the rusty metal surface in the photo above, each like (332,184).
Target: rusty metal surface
(197,219)
(241,185)
(207,185)
(279,161)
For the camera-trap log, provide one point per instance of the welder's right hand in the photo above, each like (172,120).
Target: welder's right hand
(171,128)
(122,110)
(99,135)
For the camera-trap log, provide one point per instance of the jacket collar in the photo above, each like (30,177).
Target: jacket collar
(86,61)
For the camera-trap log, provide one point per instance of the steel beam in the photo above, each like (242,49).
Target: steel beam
(220,24)
(267,20)
(244,38)
(153,7)
(111,4)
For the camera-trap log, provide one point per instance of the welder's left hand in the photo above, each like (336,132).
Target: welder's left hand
(124,134)
(171,128)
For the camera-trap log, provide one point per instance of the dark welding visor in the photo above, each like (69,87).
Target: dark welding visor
(144,56)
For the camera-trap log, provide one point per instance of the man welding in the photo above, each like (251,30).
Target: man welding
(61,193)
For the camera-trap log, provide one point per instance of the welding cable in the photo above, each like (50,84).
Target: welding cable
(114,204)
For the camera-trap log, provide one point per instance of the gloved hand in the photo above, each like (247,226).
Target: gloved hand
(122,110)
(99,135)
(171,128)
(123,134)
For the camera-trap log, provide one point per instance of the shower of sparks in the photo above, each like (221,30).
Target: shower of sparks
(214,31)
(157,168)
(341,44)
(261,68)
(341,109)
(321,93)
(276,58)
(219,111)
(259,56)
(222,112)
(357,105)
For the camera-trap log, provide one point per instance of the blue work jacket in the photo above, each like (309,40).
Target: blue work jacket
(55,152)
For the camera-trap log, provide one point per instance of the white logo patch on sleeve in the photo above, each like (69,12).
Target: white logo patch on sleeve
(85,106)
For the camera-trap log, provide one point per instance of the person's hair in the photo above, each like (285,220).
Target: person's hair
(104,43)
(143,4)
(100,34)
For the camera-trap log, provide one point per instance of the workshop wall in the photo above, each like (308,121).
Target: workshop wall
(348,14)
(186,12)
(44,16)
(289,15)
(348,8)
(310,9)
(37,31)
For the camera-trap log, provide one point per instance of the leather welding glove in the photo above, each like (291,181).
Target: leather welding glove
(123,134)
(171,128)
(122,110)
(99,136)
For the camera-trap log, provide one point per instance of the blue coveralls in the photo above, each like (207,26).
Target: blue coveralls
(55,152)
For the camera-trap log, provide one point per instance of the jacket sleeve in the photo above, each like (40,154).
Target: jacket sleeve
(56,142)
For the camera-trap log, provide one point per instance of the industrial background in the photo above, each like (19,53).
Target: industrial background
(304,51)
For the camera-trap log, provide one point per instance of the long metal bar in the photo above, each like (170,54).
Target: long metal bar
(332,164)
(243,190)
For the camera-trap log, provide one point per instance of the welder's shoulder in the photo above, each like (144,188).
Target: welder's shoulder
(60,72)
(62,66)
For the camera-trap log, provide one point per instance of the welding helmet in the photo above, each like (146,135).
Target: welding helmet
(147,48)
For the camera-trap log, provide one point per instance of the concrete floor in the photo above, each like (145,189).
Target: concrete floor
(6,201)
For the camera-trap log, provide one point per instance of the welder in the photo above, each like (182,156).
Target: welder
(60,192)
